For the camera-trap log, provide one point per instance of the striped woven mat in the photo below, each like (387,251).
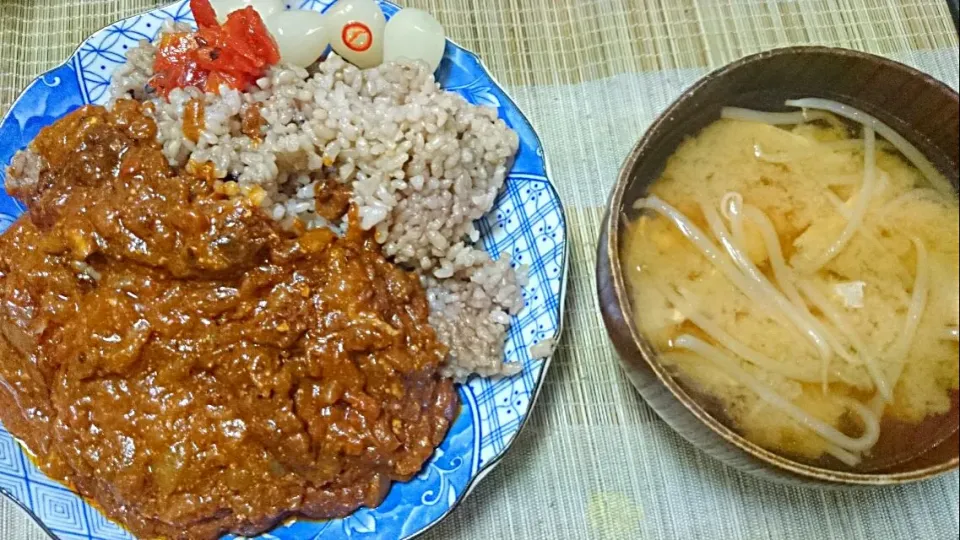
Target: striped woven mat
(595,462)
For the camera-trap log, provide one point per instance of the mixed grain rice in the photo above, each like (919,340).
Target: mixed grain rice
(423,165)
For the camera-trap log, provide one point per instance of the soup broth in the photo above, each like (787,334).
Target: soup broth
(801,278)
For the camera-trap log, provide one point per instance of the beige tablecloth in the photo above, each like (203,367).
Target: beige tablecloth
(594,461)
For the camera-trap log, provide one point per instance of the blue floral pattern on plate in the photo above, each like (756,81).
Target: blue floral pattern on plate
(527,222)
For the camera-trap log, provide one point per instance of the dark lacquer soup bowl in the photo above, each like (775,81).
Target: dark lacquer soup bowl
(920,108)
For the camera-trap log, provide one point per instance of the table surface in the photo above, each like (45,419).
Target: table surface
(594,461)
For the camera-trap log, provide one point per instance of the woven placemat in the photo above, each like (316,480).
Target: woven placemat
(594,461)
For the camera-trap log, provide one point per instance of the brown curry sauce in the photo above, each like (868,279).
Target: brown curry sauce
(180,360)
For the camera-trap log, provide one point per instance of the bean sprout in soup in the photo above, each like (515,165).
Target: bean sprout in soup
(800,273)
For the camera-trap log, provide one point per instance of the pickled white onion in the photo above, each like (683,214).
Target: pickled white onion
(301,35)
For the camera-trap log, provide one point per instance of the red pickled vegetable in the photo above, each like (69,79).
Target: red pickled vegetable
(246,27)
(204,13)
(236,53)
(175,66)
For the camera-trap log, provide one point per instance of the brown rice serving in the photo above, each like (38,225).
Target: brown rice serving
(423,165)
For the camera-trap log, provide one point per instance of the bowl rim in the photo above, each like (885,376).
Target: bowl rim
(612,229)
